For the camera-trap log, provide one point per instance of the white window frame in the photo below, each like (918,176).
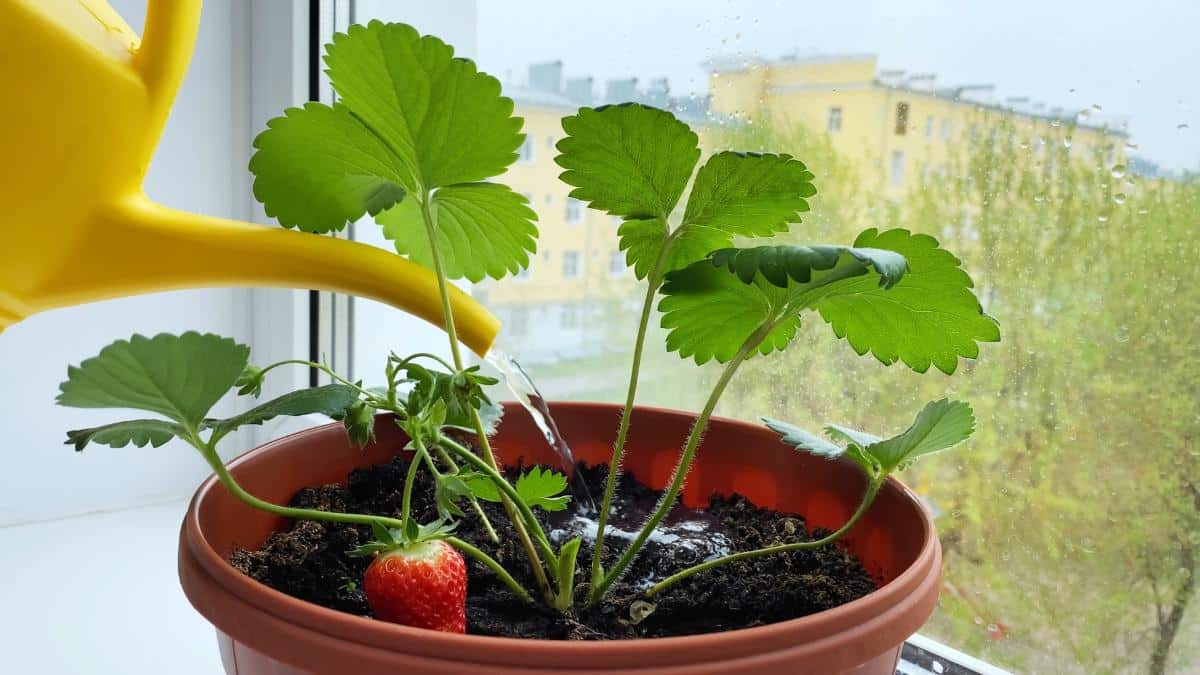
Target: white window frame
(573,212)
(576,266)
(833,121)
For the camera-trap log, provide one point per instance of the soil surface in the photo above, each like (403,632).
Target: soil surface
(309,562)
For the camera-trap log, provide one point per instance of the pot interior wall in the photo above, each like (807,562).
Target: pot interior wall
(734,457)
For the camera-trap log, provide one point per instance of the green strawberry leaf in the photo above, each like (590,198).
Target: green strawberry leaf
(483,230)
(331,400)
(709,313)
(359,421)
(811,443)
(940,425)
(895,294)
(629,160)
(930,317)
(444,120)
(180,377)
(853,436)
(749,194)
(120,434)
(543,488)
(319,168)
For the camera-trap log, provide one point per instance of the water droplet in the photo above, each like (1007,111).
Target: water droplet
(1130,145)
(1183,127)
(978,620)
(1055,123)
(1083,114)
(1096,106)
(737,36)
(938,667)
(1122,334)
(1066,141)
(1103,219)
(1119,197)
(992,628)
(1071,91)
(1118,171)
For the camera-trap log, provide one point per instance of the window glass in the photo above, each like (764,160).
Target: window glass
(1059,158)
(574,215)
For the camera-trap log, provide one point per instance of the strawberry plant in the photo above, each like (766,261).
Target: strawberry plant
(415,142)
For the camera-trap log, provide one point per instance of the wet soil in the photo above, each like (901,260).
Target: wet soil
(309,562)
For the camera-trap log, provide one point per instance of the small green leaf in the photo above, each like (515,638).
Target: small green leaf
(567,556)
(542,488)
(360,423)
(250,382)
(319,168)
(447,491)
(483,230)
(331,400)
(629,160)
(803,440)
(120,434)
(939,425)
(445,121)
(481,486)
(178,376)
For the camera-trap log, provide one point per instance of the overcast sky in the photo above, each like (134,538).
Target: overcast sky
(1137,60)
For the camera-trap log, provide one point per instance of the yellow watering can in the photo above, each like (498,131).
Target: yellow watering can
(87,101)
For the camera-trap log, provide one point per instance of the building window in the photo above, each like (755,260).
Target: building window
(570,265)
(929,127)
(616,264)
(525,152)
(901,118)
(897,167)
(835,120)
(946,126)
(526,272)
(574,211)
(550,142)
(569,318)
(549,199)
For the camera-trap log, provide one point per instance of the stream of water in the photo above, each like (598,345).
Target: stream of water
(527,394)
(691,529)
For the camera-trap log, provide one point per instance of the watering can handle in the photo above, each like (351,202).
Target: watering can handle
(168,37)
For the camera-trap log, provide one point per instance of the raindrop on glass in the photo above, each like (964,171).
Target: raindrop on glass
(1122,334)
(1083,114)
(1096,106)
(1131,146)
(1183,127)
(1119,197)
(1103,219)
(1118,171)
(1066,141)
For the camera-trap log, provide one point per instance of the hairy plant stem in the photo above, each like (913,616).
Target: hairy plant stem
(685,464)
(494,566)
(410,479)
(535,562)
(868,498)
(209,453)
(653,281)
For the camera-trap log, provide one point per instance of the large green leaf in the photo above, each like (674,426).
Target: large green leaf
(710,313)
(483,229)
(749,194)
(630,160)
(446,121)
(930,316)
(121,434)
(319,168)
(331,400)
(939,425)
(178,376)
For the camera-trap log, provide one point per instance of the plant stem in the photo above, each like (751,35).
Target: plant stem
(685,463)
(535,562)
(410,479)
(614,464)
(210,455)
(494,566)
(868,498)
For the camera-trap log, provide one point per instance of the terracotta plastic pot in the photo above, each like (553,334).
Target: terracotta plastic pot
(263,631)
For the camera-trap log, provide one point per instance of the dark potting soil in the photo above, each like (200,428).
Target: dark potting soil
(309,562)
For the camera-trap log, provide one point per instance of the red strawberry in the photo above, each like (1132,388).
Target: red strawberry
(423,585)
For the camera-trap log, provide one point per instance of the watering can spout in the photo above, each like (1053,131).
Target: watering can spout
(92,98)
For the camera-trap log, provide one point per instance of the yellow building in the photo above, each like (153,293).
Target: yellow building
(898,126)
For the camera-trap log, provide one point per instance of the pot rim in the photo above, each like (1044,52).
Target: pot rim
(382,634)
